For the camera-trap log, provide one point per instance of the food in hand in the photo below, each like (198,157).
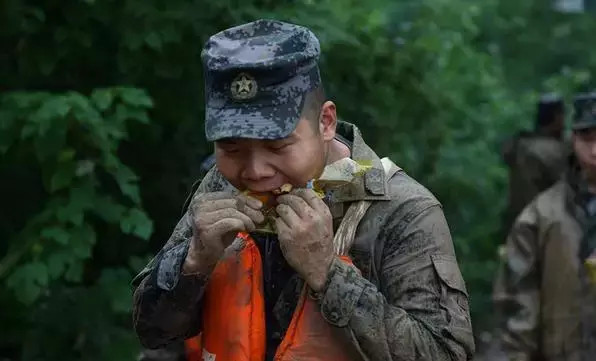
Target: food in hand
(284,189)
(341,173)
(269,200)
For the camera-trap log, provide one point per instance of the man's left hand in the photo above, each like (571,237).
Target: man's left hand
(305,232)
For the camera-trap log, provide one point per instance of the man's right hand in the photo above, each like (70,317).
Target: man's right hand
(216,219)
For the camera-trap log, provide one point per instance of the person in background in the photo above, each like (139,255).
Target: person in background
(536,159)
(547,306)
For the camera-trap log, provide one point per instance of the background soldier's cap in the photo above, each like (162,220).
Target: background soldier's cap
(256,79)
(584,111)
(550,98)
(549,106)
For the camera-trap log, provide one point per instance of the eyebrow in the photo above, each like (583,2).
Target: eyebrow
(281,140)
(291,136)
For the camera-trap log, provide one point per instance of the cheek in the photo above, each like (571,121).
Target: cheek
(585,153)
(301,166)
(229,168)
(581,150)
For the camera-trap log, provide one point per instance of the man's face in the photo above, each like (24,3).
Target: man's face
(584,144)
(266,165)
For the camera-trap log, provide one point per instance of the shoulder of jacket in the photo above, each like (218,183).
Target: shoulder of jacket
(407,195)
(544,148)
(547,206)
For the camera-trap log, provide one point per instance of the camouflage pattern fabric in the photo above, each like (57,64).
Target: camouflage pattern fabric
(408,301)
(173,352)
(404,299)
(256,78)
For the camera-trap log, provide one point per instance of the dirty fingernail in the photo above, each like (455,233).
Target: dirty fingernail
(255,203)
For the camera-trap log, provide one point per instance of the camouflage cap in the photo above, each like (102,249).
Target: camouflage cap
(256,79)
(585,111)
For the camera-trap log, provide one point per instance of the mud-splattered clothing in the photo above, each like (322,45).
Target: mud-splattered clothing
(404,299)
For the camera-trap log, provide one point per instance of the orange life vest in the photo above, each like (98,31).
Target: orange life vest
(234,318)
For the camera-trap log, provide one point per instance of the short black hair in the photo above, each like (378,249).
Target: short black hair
(313,102)
(548,109)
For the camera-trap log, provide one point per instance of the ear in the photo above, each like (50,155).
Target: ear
(328,121)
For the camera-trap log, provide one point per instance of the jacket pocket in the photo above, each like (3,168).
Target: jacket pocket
(453,298)
(448,271)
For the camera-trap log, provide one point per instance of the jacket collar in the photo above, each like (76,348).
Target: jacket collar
(373,186)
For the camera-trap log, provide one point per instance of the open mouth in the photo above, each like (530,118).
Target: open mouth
(342,173)
(269,200)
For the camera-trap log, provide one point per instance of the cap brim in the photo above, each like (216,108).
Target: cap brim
(254,122)
(583,125)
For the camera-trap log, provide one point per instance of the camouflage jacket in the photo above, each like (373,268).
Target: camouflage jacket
(547,304)
(408,303)
(535,163)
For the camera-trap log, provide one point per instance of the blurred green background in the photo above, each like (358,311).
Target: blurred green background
(101,133)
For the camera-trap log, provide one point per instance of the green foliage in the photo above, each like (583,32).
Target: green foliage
(101,133)
(85,323)
(73,140)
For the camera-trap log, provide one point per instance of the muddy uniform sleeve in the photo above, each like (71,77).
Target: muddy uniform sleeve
(421,310)
(166,302)
(518,302)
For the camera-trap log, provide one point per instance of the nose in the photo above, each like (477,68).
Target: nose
(257,168)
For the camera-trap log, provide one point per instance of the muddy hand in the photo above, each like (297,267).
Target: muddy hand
(216,218)
(305,232)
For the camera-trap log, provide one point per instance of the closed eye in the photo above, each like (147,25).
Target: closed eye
(228,147)
(231,150)
(278,147)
